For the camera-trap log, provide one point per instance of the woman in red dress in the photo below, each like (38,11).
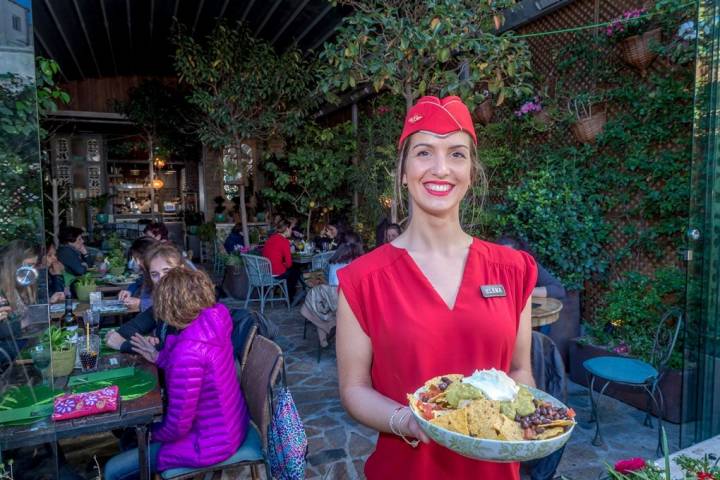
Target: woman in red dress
(415,308)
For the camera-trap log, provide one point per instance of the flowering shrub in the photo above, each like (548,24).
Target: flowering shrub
(631,22)
(528,107)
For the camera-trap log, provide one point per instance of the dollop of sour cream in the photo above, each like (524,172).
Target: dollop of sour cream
(494,384)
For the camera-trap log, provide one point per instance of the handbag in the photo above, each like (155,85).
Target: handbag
(287,442)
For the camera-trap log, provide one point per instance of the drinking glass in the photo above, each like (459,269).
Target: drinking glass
(41,359)
(92,317)
(89,348)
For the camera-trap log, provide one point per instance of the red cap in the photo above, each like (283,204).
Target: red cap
(441,116)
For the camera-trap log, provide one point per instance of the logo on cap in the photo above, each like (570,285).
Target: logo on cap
(415,118)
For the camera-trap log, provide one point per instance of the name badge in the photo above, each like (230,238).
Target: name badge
(490,291)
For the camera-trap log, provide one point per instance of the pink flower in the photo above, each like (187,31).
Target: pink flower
(705,476)
(381,110)
(629,465)
(621,349)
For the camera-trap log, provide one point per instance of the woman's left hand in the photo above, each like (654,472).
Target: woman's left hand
(5,313)
(57,297)
(145,346)
(410,428)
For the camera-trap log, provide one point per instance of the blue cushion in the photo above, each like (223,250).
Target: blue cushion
(249,451)
(621,369)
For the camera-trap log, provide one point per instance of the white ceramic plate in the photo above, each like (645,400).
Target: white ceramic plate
(496,450)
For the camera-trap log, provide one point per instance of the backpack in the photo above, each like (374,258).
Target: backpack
(287,442)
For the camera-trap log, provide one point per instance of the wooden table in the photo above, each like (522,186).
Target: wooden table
(139,414)
(545,310)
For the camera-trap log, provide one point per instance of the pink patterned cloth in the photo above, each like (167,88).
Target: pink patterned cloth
(74,405)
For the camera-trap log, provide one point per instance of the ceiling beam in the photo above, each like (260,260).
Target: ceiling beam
(152,19)
(129,24)
(247,9)
(290,20)
(175,10)
(327,35)
(49,52)
(109,37)
(267,17)
(197,16)
(62,34)
(222,10)
(325,11)
(87,37)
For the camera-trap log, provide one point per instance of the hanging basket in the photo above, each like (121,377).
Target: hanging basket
(543,117)
(636,51)
(587,129)
(484,112)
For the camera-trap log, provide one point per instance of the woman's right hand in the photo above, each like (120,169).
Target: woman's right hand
(5,313)
(411,429)
(132,303)
(124,294)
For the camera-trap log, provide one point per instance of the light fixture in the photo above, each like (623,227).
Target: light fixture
(159,162)
(158,183)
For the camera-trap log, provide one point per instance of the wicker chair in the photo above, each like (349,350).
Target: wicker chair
(260,277)
(259,375)
(321,261)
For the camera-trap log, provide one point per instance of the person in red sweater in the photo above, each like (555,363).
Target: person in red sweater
(277,250)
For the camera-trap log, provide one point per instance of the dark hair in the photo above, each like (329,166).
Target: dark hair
(512,242)
(281,225)
(157,229)
(69,234)
(393,226)
(350,249)
(380,232)
(140,246)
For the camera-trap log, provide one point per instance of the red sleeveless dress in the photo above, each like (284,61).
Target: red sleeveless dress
(415,337)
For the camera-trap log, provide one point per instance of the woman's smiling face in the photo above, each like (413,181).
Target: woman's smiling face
(438,171)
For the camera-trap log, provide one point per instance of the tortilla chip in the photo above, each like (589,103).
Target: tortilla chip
(455,377)
(509,430)
(482,417)
(439,398)
(559,423)
(550,433)
(455,420)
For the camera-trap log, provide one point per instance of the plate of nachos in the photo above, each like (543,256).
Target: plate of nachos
(487,416)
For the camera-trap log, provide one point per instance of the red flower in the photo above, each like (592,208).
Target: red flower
(629,465)
(705,476)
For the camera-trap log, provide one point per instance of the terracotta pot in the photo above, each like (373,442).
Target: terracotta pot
(587,129)
(543,117)
(636,51)
(484,112)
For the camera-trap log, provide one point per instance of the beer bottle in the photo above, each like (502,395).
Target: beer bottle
(68,318)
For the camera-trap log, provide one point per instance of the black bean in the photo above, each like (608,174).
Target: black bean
(539,430)
(442,386)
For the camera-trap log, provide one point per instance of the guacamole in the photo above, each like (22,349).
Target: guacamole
(522,405)
(458,391)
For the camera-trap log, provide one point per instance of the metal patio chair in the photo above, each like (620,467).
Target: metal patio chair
(260,277)
(636,373)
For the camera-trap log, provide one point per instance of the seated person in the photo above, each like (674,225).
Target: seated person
(135,296)
(55,269)
(277,250)
(73,254)
(234,241)
(157,231)
(321,302)
(14,299)
(206,418)
(159,259)
(327,239)
(297,234)
(547,285)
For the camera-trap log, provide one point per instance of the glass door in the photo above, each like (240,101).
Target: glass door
(701,386)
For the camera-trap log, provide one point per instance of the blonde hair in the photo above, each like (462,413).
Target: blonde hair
(477,172)
(11,258)
(181,295)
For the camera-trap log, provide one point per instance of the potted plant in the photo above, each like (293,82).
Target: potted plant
(193,220)
(116,262)
(219,208)
(485,109)
(99,203)
(587,122)
(207,232)
(535,113)
(634,38)
(84,285)
(63,350)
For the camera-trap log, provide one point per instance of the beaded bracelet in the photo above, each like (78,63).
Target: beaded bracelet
(396,431)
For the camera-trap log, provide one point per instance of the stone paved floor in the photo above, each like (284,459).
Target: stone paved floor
(338,446)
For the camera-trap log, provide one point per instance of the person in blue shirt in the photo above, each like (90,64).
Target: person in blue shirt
(235,240)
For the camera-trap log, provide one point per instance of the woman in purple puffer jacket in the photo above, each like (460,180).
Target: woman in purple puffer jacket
(206,417)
